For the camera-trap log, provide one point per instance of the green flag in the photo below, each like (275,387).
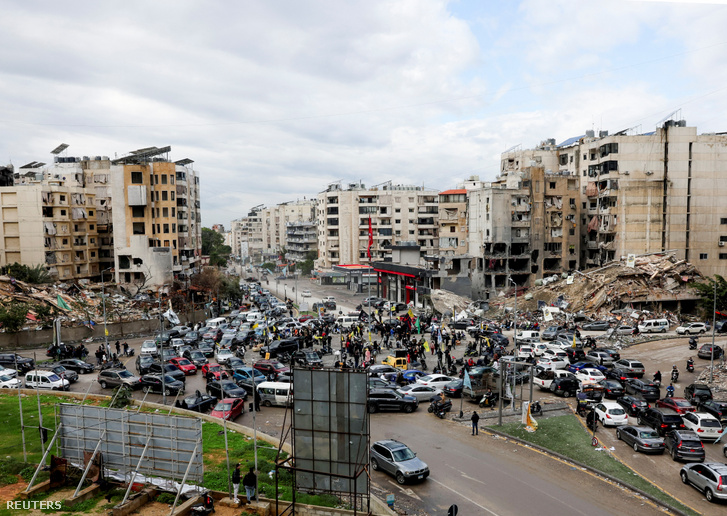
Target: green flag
(62,304)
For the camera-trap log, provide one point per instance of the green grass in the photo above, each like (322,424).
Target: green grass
(565,435)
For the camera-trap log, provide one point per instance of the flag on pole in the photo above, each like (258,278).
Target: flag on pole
(467,382)
(418,324)
(426,346)
(171,316)
(62,304)
(531,425)
(106,331)
(574,340)
(371,239)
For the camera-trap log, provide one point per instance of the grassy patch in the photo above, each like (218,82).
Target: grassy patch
(565,435)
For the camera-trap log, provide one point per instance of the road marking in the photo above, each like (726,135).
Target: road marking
(463,496)
(407,492)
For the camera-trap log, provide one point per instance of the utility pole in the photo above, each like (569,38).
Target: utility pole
(714,327)
(161,347)
(103,302)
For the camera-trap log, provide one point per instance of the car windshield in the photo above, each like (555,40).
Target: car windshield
(223,407)
(682,403)
(215,368)
(169,379)
(197,354)
(53,378)
(5,378)
(710,423)
(184,361)
(125,374)
(148,345)
(616,411)
(403,454)
(649,435)
(229,386)
(278,366)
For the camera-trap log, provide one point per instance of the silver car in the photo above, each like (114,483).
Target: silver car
(632,366)
(398,460)
(641,438)
(707,477)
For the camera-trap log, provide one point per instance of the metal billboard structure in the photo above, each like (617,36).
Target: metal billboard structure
(157,445)
(330,435)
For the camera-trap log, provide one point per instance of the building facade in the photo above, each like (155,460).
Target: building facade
(275,221)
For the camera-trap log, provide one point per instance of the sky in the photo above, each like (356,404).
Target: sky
(274,100)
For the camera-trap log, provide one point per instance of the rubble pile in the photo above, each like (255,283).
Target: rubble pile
(653,278)
(444,302)
(719,380)
(78,303)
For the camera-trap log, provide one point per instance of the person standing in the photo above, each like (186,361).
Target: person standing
(236,482)
(257,398)
(249,482)
(475,420)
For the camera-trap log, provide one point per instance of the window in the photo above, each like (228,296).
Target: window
(90,213)
(166,228)
(397,210)
(572,202)
(411,231)
(173,212)
(563,159)
(172,195)
(551,185)
(723,256)
(723,238)
(63,197)
(703,256)
(63,213)
(136,178)
(165,195)
(397,221)
(451,229)
(174,228)
(93,254)
(138,228)
(723,220)
(156,179)
(91,227)
(165,212)
(138,211)
(411,210)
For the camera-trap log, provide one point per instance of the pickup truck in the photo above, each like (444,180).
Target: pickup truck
(544,378)
(14,361)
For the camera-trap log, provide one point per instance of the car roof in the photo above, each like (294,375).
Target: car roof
(391,444)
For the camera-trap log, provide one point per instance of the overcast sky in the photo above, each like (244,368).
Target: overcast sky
(273,100)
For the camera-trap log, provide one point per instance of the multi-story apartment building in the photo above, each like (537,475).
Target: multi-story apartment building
(642,193)
(83,216)
(398,213)
(525,227)
(274,224)
(248,235)
(302,238)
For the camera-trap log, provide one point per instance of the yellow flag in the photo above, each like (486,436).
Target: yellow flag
(574,340)
(426,346)
(411,314)
(106,330)
(532,424)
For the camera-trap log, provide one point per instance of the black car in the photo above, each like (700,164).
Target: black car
(307,358)
(15,361)
(633,405)
(153,383)
(169,369)
(697,392)
(196,357)
(612,388)
(620,374)
(207,348)
(661,419)
(387,399)
(575,355)
(144,363)
(225,389)
(191,337)
(77,365)
(278,347)
(234,363)
(596,326)
(644,388)
(197,402)
(380,383)
(454,388)
(717,408)
(684,445)
(379,369)
(704,352)
(564,387)
(67,374)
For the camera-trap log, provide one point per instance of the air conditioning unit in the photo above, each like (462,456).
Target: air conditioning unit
(720,243)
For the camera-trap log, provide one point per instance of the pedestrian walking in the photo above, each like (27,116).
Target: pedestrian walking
(257,399)
(118,348)
(236,482)
(475,419)
(249,482)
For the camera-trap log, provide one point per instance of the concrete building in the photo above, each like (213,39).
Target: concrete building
(398,213)
(248,235)
(275,221)
(81,216)
(302,238)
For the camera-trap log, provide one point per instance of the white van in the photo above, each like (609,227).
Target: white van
(45,380)
(528,336)
(254,317)
(275,393)
(214,323)
(654,326)
(346,321)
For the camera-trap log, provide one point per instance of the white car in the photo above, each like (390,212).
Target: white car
(706,426)
(692,328)
(588,374)
(552,362)
(610,413)
(539,349)
(8,383)
(183,330)
(438,381)
(223,355)
(12,373)
(420,392)
(149,347)
(544,378)
(525,352)
(306,293)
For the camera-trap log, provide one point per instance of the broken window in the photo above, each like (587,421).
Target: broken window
(139,228)
(138,261)
(137,178)
(138,211)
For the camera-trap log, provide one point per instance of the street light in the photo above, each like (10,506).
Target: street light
(103,303)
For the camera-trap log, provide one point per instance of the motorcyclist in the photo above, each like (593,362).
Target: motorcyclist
(670,391)
(489,398)
(582,399)
(690,364)
(674,373)
(657,376)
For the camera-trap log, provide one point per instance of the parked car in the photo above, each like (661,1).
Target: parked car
(710,478)
(691,329)
(633,405)
(454,388)
(380,383)
(420,392)
(214,371)
(599,357)
(661,420)
(153,383)
(611,414)
(168,369)
(229,409)
(77,365)
(116,377)
(307,358)
(697,392)
(71,376)
(621,330)
(544,378)
(438,381)
(644,388)
(387,399)
(634,367)
(574,368)
(196,357)
(706,426)
(184,365)
(15,361)
(706,352)
(641,438)
(612,388)
(717,408)
(6,382)
(564,386)
(225,389)
(596,326)
(144,363)
(622,375)
(397,459)
(678,405)
(588,374)
(550,332)
(271,368)
(12,373)
(223,355)
(684,445)
(197,402)
(43,379)
(191,337)
(244,377)
(149,347)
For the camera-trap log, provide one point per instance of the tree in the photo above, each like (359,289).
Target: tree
(213,245)
(36,274)
(12,317)
(706,290)
(306,266)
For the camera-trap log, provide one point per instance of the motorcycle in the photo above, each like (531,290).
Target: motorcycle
(692,343)
(670,391)
(690,366)
(674,376)
(439,408)
(536,409)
